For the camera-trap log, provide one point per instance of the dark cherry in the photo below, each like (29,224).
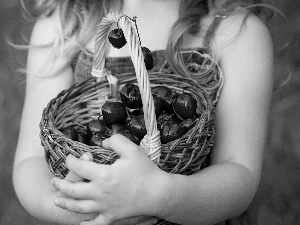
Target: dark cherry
(169,100)
(160,91)
(130,136)
(96,126)
(83,138)
(148,58)
(167,96)
(82,134)
(171,131)
(71,133)
(116,38)
(113,112)
(188,123)
(163,118)
(130,96)
(137,126)
(97,138)
(185,106)
(136,112)
(158,107)
(115,128)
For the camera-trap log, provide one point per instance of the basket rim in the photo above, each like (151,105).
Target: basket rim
(50,135)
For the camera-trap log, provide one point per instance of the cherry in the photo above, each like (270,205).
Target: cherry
(188,123)
(82,134)
(137,126)
(163,118)
(171,130)
(71,133)
(185,106)
(113,112)
(95,126)
(130,136)
(115,128)
(148,58)
(97,138)
(167,96)
(130,96)
(161,91)
(158,106)
(116,38)
(136,112)
(169,100)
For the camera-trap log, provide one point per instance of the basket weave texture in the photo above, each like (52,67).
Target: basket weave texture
(83,101)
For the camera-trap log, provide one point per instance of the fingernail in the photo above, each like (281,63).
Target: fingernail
(56,201)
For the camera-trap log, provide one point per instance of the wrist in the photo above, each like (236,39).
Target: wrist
(161,194)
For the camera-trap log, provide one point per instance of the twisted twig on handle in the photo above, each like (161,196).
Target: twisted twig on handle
(151,142)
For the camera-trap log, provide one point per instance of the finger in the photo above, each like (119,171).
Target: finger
(74,205)
(99,220)
(79,190)
(82,168)
(72,176)
(120,144)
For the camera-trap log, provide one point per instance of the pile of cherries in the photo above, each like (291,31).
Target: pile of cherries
(175,115)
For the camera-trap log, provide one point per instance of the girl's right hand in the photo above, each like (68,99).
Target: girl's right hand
(142,220)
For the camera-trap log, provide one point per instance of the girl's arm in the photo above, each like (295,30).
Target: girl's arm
(47,75)
(219,192)
(226,188)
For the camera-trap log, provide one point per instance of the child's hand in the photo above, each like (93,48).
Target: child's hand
(72,176)
(131,187)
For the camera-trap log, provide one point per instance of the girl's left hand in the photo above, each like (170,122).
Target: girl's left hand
(131,187)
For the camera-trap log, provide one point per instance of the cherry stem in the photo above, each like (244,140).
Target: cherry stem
(133,20)
(128,112)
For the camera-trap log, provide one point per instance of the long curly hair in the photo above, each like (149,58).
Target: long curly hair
(80,26)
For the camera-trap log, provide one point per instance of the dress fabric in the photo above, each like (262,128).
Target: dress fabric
(83,63)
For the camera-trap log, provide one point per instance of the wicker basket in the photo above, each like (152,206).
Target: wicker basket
(83,101)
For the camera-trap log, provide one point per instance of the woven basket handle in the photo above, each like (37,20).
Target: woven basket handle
(151,142)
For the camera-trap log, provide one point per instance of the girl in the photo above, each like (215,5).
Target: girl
(61,52)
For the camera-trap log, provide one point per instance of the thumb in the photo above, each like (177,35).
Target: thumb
(120,145)
(87,156)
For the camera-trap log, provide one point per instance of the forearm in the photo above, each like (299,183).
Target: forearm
(215,194)
(33,187)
